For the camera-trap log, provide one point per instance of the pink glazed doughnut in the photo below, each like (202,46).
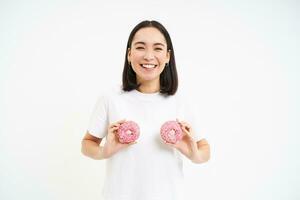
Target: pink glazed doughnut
(171,132)
(128,132)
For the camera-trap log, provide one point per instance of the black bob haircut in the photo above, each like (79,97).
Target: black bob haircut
(168,77)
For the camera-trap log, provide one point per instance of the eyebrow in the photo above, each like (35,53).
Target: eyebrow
(157,43)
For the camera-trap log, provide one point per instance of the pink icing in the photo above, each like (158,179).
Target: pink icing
(171,132)
(128,132)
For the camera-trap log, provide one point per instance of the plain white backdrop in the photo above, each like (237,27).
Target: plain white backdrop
(239,60)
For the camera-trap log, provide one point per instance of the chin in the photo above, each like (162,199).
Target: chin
(148,78)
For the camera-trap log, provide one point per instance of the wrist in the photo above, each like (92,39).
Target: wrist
(105,152)
(195,157)
(101,153)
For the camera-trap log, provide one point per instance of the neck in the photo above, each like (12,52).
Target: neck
(149,87)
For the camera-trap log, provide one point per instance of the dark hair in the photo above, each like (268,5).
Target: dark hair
(168,77)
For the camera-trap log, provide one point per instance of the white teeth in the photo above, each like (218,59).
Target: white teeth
(148,66)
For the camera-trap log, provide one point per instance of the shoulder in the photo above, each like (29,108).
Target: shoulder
(111,92)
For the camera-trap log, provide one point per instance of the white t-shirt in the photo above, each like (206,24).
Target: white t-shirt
(148,170)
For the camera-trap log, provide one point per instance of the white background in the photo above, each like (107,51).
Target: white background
(239,60)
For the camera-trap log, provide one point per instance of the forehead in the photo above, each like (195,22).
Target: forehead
(149,35)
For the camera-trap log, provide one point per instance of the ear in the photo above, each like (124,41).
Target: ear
(168,55)
(128,54)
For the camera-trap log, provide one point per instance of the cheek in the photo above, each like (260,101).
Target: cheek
(137,55)
(162,59)
(161,55)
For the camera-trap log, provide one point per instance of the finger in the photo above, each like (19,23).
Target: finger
(132,143)
(183,127)
(186,124)
(112,125)
(118,123)
(169,144)
(113,129)
(187,132)
(182,123)
(188,128)
(121,121)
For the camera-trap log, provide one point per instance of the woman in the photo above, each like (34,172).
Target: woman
(149,168)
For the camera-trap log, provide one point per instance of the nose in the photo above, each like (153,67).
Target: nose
(148,55)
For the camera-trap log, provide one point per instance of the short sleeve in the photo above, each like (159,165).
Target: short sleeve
(98,122)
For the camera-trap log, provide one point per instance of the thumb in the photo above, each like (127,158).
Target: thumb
(131,143)
(169,144)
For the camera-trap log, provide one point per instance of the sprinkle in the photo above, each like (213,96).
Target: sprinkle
(128,132)
(171,132)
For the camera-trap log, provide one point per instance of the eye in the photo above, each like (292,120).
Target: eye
(158,49)
(140,48)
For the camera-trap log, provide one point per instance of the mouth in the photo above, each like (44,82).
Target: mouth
(148,67)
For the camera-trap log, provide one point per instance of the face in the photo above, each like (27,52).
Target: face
(148,54)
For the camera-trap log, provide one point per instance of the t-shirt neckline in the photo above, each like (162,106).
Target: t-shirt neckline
(147,96)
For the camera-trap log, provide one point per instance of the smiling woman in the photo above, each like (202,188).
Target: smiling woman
(150,166)
(148,55)
(150,61)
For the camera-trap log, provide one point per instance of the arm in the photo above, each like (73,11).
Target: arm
(90,147)
(197,152)
(202,153)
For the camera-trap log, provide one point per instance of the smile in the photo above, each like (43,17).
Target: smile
(148,66)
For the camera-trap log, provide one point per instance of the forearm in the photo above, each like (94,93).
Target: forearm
(92,149)
(201,155)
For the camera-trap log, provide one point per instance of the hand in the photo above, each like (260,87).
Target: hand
(113,144)
(187,145)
